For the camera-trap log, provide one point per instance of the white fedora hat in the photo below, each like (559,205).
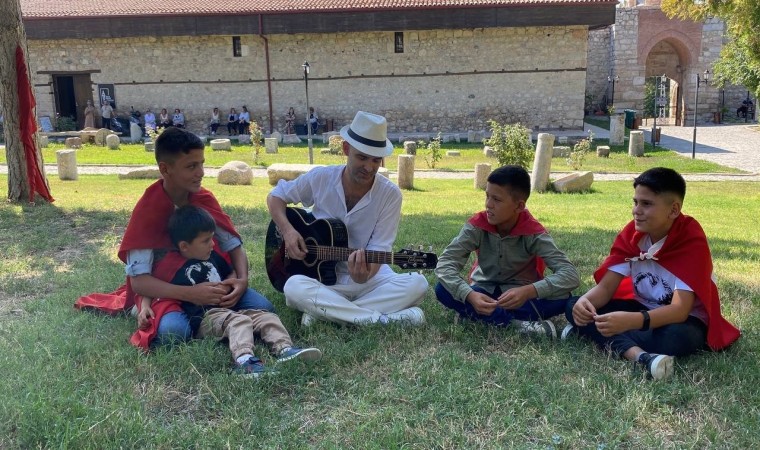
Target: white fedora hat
(368,133)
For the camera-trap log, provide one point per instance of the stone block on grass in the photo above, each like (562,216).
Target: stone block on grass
(235,173)
(574,182)
(141,173)
(67,164)
(112,142)
(221,145)
(73,142)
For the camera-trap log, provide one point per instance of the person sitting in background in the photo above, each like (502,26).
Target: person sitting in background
(244,121)
(150,120)
(178,119)
(744,109)
(164,120)
(232,124)
(214,121)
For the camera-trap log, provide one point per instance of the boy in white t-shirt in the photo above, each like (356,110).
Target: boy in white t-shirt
(662,262)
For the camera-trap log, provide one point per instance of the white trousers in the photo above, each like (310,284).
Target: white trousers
(349,302)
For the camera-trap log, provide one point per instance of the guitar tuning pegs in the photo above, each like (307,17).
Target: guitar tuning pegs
(420,248)
(430,248)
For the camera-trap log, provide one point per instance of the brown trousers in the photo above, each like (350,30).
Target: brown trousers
(241,326)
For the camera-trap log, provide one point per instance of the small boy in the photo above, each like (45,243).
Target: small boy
(191,229)
(512,250)
(662,262)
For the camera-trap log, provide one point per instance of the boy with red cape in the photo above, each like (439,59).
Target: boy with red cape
(655,296)
(180,157)
(513,248)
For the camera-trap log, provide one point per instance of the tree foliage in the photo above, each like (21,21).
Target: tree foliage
(739,61)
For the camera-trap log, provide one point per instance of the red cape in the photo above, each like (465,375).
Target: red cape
(147,229)
(28,126)
(526,225)
(686,255)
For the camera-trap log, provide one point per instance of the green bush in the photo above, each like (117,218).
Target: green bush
(511,144)
(580,150)
(65,123)
(433,153)
(256,137)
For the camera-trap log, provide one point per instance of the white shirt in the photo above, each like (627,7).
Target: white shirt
(372,224)
(245,116)
(653,285)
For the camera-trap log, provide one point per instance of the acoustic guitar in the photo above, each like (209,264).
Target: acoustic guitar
(327,243)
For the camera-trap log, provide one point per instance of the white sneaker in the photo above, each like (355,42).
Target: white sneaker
(307,320)
(658,366)
(408,316)
(541,327)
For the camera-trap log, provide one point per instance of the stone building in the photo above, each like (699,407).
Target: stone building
(428,65)
(643,44)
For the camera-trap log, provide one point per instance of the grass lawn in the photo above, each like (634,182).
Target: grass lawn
(71,379)
(470,155)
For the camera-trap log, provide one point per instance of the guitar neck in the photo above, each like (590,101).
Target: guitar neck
(327,253)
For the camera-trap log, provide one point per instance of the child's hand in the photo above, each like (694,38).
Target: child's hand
(615,322)
(583,312)
(516,297)
(483,304)
(144,317)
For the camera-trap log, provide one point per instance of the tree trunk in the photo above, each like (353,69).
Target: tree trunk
(12,35)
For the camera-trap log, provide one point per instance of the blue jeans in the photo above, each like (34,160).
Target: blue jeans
(174,326)
(534,309)
(675,339)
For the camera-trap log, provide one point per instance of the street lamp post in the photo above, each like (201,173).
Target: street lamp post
(306,67)
(659,89)
(696,99)
(613,80)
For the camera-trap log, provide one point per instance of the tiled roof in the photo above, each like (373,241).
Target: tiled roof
(100,8)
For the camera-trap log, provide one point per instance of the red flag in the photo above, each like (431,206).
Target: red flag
(28,126)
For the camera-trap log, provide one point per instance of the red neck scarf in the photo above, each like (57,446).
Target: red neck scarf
(686,255)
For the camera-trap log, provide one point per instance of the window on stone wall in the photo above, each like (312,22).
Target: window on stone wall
(237,49)
(398,41)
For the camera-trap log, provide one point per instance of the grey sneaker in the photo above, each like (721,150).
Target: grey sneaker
(541,327)
(658,366)
(569,331)
(252,368)
(305,354)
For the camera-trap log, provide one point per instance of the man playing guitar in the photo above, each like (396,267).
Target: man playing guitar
(370,207)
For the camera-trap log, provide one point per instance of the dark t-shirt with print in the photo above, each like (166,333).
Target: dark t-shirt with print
(194,272)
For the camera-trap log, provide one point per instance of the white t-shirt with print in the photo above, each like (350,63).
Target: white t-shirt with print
(653,285)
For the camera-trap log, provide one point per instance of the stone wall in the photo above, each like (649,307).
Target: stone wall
(600,65)
(447,80)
